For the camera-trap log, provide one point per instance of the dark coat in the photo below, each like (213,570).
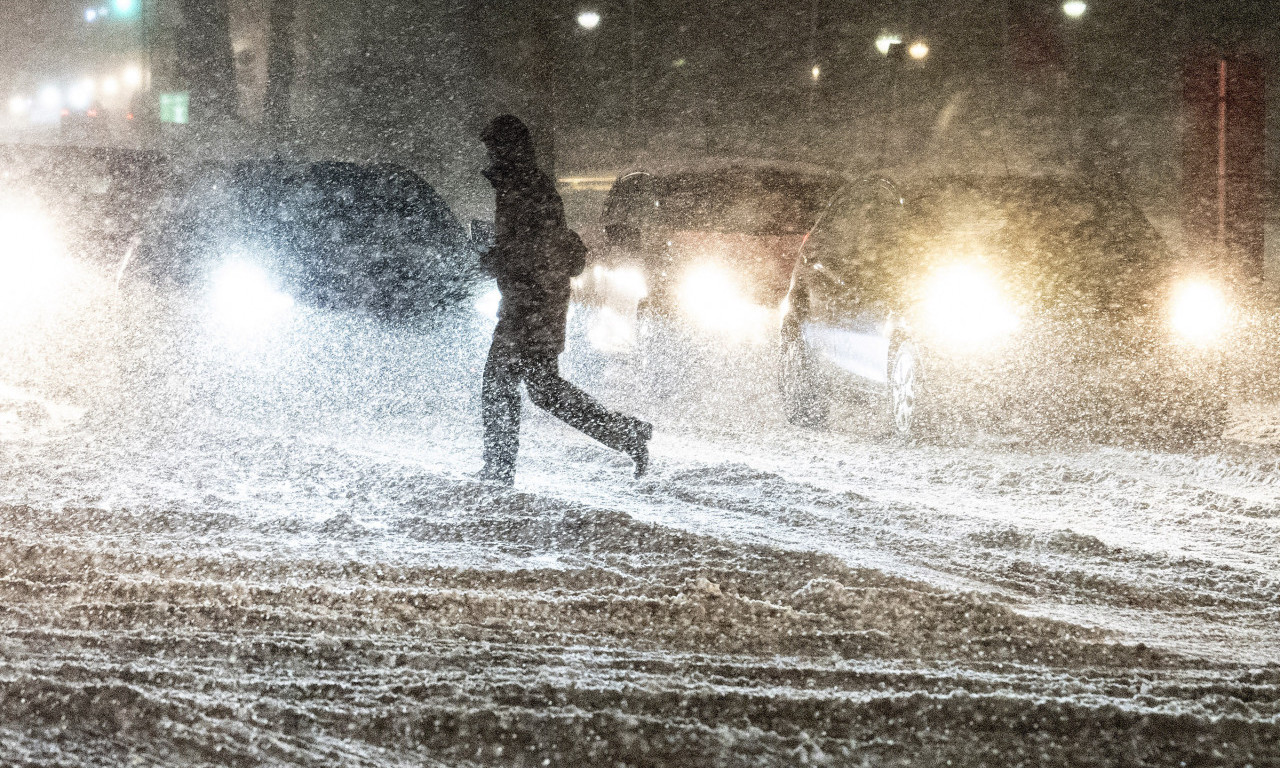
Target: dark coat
(534,256)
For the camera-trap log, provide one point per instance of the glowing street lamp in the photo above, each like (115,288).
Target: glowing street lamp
(816,72)
(918,50)
(1074,8)
(589,19)
(90,15)
(886,41)
(125,8)
(19,105)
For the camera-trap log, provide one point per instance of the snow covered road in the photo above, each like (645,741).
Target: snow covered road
(301,579)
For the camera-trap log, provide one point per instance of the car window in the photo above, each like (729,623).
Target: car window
(626,208)
(833,242)
(749,201)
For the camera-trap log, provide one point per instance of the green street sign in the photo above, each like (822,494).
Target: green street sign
(174,107)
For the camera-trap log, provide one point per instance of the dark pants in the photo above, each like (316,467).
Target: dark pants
(504,371)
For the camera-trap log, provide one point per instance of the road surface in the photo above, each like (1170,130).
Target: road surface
(279,558)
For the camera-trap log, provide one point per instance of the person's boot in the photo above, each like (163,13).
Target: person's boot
(638,447)
(503,476)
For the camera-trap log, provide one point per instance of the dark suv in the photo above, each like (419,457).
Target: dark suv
(976,298)
(373,238)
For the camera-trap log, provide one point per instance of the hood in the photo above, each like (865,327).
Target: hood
(510,145)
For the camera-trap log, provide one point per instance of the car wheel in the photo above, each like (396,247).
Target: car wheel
(804,400)
(909,415)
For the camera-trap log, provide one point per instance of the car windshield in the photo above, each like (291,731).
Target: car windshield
(1061,240)
(756,202)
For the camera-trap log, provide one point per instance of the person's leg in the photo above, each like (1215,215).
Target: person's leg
(582,412)
(500,405)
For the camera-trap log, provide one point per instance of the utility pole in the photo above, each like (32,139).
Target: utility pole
(280,69)
(209,65)
(634,31)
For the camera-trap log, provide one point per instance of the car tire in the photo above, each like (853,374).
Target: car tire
(909,410)
(804,398)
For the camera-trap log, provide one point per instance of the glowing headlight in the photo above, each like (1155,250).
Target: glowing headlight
(33,268)
(963,304)
(244,297)
(488,302)
(624,282)
(714,300)
(1199,312)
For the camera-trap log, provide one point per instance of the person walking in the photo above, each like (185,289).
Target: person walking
(533,259)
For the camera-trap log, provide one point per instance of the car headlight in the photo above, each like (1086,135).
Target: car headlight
(34,269)
(488,302)
(715,301)
(245,297)
(964,305)
(1199,312)
(625,282)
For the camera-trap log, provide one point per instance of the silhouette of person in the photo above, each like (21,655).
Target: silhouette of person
(533,259)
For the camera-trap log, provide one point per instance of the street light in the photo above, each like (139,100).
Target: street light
(1074,8)
(125,8)
(918,50)
(589,19)
(816,72)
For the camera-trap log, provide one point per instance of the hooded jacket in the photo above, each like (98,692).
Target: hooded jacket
(535,254)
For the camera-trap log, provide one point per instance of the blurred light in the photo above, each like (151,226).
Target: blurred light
(816,72)
(132,76)
(50,97)
(918,50)
(1074,8)
(886,41)
(627,283)
(90,15)
(80,95)
(589,19)
(488,303)
(963,305)
(19,105)
(110,86)
(125,7)
(244,297)
(33,267)
(713,299)
(1199,312)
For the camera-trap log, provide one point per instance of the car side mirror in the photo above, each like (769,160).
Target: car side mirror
(482,235)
